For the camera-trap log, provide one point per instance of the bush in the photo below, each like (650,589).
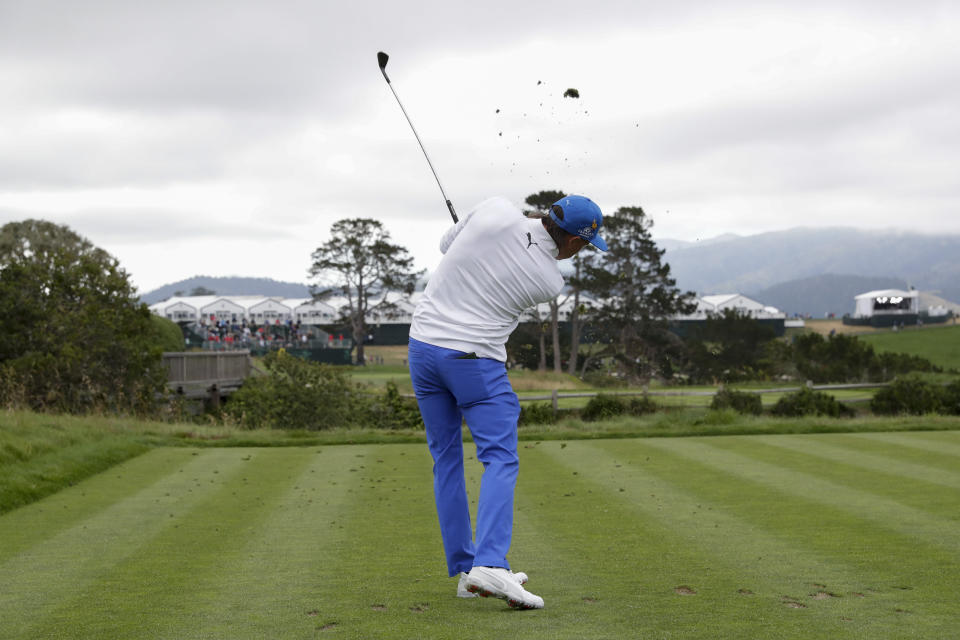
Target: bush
(393,411)
(911,395)
(809,402)
(166,333)
(739,401)
(537,413)
(841,358)
(641,405)
(297,394)
(602,407)
(888,365)
(951,398)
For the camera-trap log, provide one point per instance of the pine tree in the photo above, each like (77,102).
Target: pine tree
(635,295)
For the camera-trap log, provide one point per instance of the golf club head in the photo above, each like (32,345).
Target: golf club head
(382,59)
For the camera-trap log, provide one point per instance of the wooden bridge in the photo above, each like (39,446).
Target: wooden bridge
(207,374)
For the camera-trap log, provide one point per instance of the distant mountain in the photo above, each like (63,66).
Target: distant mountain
(820,295)
(756,263)
(229,286)
(670,244)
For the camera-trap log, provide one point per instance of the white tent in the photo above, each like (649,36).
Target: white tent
(176,309)
(222,308)
(717,304)
(885,302)
(262,310)
(312,312)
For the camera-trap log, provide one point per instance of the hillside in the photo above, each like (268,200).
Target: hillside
(820,295)
(229,286)
(938,344)
(759,262)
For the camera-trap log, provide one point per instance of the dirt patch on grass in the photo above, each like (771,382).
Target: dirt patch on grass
(792,602)
(823,595)
(378,607)
(745,592)
(420,608)
(684,590)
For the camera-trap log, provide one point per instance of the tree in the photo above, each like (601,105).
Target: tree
(75,338)
(579,310)
(360,263)
(541,203)
(730,346)
(635,296)
(202,291)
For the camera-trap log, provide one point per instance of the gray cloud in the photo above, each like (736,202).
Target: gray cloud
(274,115)
(133,225)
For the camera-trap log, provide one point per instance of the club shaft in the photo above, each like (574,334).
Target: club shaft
(453,213)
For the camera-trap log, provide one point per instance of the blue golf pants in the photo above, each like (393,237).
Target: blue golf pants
(452,386)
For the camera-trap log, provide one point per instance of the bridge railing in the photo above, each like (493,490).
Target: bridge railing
(207,374)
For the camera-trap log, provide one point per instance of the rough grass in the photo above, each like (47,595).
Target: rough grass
(826,536)
(41,454)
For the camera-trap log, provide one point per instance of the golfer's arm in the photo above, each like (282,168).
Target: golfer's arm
(453,232)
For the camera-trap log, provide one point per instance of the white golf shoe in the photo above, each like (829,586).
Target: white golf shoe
(462,591)
(500,583)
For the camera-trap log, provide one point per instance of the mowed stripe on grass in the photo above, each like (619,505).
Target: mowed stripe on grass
(765,536)
(761,563)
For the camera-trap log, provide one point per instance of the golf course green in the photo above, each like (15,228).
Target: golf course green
(782,536)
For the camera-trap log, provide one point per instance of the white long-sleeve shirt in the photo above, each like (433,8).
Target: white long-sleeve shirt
(496,264)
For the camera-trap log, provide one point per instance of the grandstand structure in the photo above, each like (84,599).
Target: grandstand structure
(260,310)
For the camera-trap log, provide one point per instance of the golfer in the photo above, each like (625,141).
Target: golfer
(496,264)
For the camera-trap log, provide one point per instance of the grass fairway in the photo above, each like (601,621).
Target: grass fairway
(781,536)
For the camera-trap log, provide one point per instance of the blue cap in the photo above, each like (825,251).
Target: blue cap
(579,216)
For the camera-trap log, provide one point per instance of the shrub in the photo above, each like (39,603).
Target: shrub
(841,358)
(602,407)
(739,401)
(887,365)
(910,395)
(836,358)
(809,402)
(537,413)
(166,333)
(297,394)
(393,411)
(641,405)
(951,398)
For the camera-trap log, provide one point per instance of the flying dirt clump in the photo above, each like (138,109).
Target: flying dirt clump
(571,93)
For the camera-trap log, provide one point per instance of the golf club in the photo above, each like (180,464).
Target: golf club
(382,59)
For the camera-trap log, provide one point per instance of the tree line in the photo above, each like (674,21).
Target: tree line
(77,339)
(628,289)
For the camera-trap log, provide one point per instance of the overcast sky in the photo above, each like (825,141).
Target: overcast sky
(224,138)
